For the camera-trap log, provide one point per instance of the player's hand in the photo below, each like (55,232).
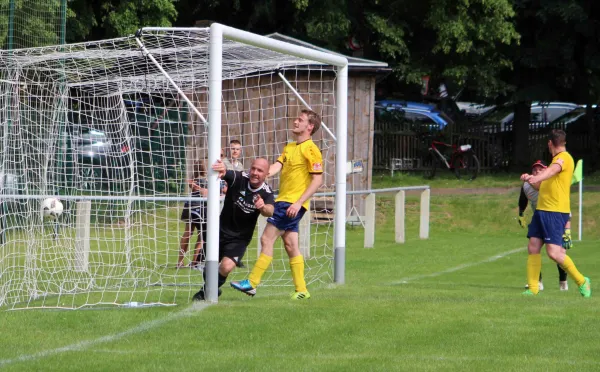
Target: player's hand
(292,210)
(525,177)
(192,184)
(522,222)
(219,166)
(259,203)
(567,242)
(533,180)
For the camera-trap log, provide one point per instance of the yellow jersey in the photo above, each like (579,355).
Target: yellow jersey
(555,192)
(300,161)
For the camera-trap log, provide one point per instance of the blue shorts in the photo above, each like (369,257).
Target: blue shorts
(281,221)
(548,226)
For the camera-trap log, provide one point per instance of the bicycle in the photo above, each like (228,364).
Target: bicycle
(462,160)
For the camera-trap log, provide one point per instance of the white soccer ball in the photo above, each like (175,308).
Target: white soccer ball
(52,208)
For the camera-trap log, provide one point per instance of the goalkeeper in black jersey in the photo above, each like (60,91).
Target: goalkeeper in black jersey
(529,194)
(247,197)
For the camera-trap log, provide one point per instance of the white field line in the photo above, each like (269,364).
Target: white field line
(458,268)
(86,345)
(79,346)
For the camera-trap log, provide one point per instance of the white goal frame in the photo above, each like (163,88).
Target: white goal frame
(218,32)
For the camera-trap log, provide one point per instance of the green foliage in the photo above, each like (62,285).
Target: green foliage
(101,19)
(34,22)
(440,38)
(127,16)
(38,22)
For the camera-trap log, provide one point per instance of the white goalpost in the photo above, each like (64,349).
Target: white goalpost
(115,128)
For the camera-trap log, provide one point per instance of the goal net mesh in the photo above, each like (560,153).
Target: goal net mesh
(98,125)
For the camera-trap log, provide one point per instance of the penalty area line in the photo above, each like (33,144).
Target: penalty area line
(458,268)
(79,346)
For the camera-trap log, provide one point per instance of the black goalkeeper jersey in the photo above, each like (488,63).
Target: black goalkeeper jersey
(239,216)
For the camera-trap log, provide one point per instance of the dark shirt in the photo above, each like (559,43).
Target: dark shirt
(239,216)
(198,207)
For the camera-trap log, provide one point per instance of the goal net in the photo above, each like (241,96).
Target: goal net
(114,129)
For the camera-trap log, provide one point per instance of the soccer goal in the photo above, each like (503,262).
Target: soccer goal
(115,128)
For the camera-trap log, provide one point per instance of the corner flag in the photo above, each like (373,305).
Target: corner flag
(578,173)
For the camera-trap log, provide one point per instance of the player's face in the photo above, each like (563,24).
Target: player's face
(236,151)
(302,125)
(536,170)
(258,172)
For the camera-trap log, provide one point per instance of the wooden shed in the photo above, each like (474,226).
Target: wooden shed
(258,110)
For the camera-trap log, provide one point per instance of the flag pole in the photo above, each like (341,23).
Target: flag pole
(580,208)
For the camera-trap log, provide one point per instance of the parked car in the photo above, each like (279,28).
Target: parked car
(398,125)
(411,116)
(579,141)
(474,110)
(574,121)
(542,113)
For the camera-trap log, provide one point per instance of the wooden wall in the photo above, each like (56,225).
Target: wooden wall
(260,110)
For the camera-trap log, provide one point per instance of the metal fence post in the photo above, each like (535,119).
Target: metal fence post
(304,234)
(370,221)
(399,216)
(424,225)
(262,223)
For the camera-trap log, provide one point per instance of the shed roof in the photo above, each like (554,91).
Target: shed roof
(354,63)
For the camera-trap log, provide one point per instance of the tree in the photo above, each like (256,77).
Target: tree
(558,58)
(33,22)
(258,16)
(450,38)
(457,40)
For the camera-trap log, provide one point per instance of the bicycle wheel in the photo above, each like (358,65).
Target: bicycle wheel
(429,165)
(466,165)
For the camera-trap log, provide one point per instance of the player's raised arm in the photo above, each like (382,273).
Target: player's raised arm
(551,171)
(220,167)
(275,168)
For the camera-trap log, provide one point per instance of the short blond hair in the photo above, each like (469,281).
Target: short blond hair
(313,118)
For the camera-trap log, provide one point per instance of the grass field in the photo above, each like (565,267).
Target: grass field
(449,303)
(446,179)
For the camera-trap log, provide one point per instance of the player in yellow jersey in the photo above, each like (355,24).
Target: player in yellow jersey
(551,215)
(301,166)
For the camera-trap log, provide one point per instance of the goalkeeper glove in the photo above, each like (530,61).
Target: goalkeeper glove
(567,242)
(522,221)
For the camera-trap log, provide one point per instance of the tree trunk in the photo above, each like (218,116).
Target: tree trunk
(520,132)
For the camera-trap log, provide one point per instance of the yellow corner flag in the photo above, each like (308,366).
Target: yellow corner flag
(578,173)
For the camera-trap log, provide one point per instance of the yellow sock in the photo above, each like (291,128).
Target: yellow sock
(297,267)
(570,268)
(261,265)
(534,266)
